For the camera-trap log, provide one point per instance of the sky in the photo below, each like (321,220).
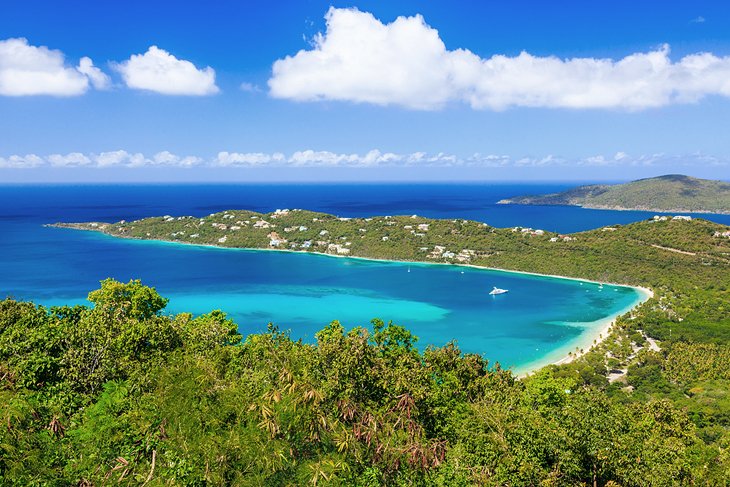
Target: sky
(229,91)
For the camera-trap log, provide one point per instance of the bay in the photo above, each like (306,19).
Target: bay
(539,320)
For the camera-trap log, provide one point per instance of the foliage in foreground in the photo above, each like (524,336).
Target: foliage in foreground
(121,393)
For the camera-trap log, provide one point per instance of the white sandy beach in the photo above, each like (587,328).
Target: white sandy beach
(598,331)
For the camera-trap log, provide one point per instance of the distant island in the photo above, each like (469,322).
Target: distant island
(670,193)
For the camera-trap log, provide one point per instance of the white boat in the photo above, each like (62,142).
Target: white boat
(497,290)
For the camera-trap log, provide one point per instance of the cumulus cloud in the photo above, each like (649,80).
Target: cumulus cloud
(327,158)
(372,158)
(74,159)
(303,158)
(99,79)
(247,158)
(27,70)
(159,71)
(20,162)
(360,59)
(137,159)
(116,158)
(167,158)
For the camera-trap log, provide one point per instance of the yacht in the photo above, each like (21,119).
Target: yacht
(497,290)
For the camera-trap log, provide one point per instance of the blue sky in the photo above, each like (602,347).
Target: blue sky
(375,98)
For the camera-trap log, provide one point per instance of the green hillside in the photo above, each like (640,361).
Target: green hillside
(672,192)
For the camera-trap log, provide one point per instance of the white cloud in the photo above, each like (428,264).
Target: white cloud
(321,158)
(159,71)
(30,70)
(406,63)
(69,160)
(247,158)
(118,158)
(165,157)
(115,158)
(309,158)
(96,76)
(137,159)
(304,158)
(698,20)
(21,162)
(360,59)
(169,159)
(373,158)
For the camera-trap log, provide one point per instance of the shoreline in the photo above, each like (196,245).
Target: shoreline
(653,210)
(374,259)
(585,344)
(602,328)
(619,208)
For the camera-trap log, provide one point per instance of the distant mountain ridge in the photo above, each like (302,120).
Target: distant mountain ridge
(669,193)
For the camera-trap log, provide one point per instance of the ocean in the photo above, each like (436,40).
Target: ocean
(539,320)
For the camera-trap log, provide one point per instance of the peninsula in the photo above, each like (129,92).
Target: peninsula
(634,254)
(670,193)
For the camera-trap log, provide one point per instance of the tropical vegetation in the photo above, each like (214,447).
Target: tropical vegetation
(122,392)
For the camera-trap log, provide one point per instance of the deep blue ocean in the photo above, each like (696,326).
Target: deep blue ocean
(540,319)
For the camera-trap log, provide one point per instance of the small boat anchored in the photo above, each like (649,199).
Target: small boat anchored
(497,290)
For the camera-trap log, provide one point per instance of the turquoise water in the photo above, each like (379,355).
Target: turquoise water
(539,319)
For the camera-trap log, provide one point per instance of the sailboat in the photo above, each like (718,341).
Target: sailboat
(497,290)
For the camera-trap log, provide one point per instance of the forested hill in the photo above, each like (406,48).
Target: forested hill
(672,193)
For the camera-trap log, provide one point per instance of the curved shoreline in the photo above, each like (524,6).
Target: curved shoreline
(562,355)
(584,342)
